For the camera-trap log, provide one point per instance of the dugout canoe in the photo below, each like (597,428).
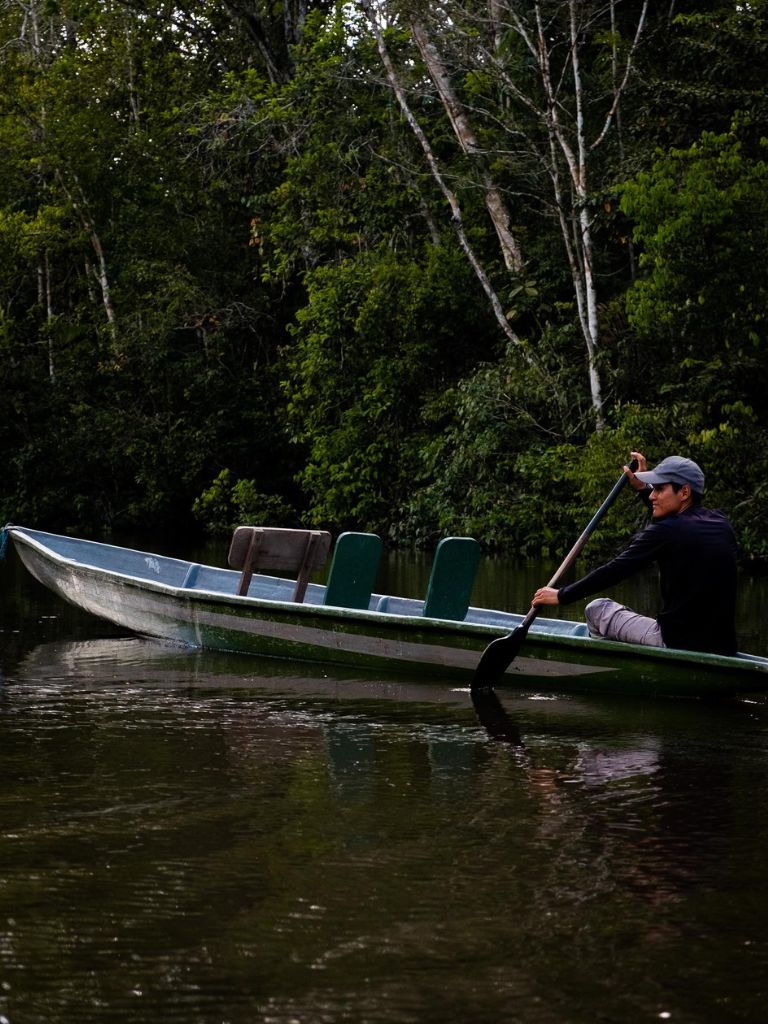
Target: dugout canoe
(198,605)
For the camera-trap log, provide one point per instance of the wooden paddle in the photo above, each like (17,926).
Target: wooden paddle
(500,653)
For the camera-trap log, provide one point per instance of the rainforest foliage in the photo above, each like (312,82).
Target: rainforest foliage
(418,268)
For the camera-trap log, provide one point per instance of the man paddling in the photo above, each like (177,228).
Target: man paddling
(695,550)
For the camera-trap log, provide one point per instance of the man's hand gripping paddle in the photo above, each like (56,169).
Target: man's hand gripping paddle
(500,653)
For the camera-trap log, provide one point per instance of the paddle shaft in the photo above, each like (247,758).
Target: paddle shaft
(575,551)
(500,654)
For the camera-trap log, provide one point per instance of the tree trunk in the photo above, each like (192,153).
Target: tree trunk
(80,206)
(513,259)
(45,295)
(590,324)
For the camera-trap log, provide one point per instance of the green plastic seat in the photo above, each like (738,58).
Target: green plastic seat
(354,567)
(452,578)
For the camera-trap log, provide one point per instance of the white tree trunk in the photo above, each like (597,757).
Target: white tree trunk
(80,206)
(573,213)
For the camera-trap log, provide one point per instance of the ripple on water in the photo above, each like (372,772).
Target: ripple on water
(192,838)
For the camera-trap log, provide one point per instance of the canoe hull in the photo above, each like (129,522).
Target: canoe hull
(280,629)
(369,640)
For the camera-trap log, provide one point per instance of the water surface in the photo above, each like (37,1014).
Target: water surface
(198,837)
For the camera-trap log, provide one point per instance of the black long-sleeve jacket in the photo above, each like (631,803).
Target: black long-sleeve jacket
(695,551)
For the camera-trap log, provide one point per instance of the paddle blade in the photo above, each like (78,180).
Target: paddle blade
(493,716)
(497,657)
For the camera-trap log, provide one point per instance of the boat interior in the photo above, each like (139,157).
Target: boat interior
(350,581)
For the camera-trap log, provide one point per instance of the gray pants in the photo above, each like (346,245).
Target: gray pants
(613,621)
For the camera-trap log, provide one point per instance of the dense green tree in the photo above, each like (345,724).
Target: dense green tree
(707,61)
(136,345)
(699,308)
(366,264)
(373,350)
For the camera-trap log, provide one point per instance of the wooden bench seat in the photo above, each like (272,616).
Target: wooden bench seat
(263,548)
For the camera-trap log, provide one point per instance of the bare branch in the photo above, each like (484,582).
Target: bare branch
(627,71)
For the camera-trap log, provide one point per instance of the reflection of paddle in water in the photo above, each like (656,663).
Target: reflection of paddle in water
(494,718)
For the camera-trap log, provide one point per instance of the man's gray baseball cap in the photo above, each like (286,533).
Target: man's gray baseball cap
(675,470)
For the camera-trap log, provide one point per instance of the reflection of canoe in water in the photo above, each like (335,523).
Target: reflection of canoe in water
(198,605)
(292,706)
(139,663)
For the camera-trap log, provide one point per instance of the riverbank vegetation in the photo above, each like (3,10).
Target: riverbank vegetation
(418,268)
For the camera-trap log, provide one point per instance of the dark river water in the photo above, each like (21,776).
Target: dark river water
(196,837)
